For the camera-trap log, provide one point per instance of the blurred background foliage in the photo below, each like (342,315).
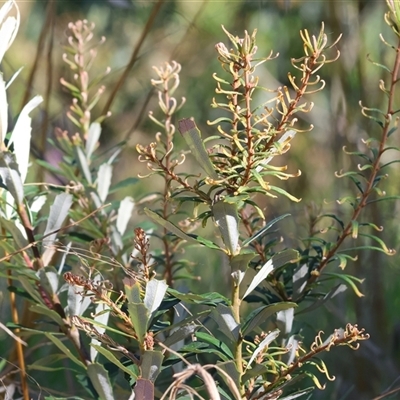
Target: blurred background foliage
(187,31)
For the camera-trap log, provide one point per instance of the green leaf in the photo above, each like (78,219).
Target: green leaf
(265,270)
(231,370)
(140,317)
(150,365)
(262,231)
(31,288)
(58,212)
(298,394)
(349,280)
(43,363)
(111,357)
(10,227)
(76,303)
(212,298)
(169,226)
(264,343)
(184,329)
(92,140)
(104,176)
(207,338)
(299,279)
(284,193)
(132,290)
(64,349)
(21,136)
(226,322)
(49,279)
(241,261)
(124,214)
(101,315)
(83,164)
(330,295)
(11,177)
(192,136)
(227,220)
(99,377)
(261,314)
(124,183)
(284,320)
(44,310)
(194,239)
(155,292)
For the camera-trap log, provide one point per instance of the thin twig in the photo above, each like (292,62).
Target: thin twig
(134,56)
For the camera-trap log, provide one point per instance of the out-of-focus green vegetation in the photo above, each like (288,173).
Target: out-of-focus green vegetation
(187,31)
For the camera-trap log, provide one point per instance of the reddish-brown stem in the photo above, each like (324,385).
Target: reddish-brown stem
(168,275)
(375,169)
(292,106)
(249,135)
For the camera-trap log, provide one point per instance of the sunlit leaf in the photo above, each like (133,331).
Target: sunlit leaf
(154,295)
(265,270)
(226,322)
(124,213)
(262,231)
(261,315)
(227,220)
(104,176)
(99,377)
(263,344)
(10,176)
(21,136)
(92,139)
(192,136)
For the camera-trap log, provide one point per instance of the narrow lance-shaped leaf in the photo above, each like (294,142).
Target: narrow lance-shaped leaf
(104,180)
(226,322)
(139,316)
(111,357)
(58,213)
(21,136)
(227,219)
(285,139)
(124,214)
(3,113)
(92,139)
(99,377)
(155,292)
(192,136)
(9,27)
(265,270)
(11,177)
(102,315)
(263,230)
(265,342)
(261,315)
(195,239)
(83,164)
(64,349)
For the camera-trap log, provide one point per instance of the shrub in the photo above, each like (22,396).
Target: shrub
(122,309)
